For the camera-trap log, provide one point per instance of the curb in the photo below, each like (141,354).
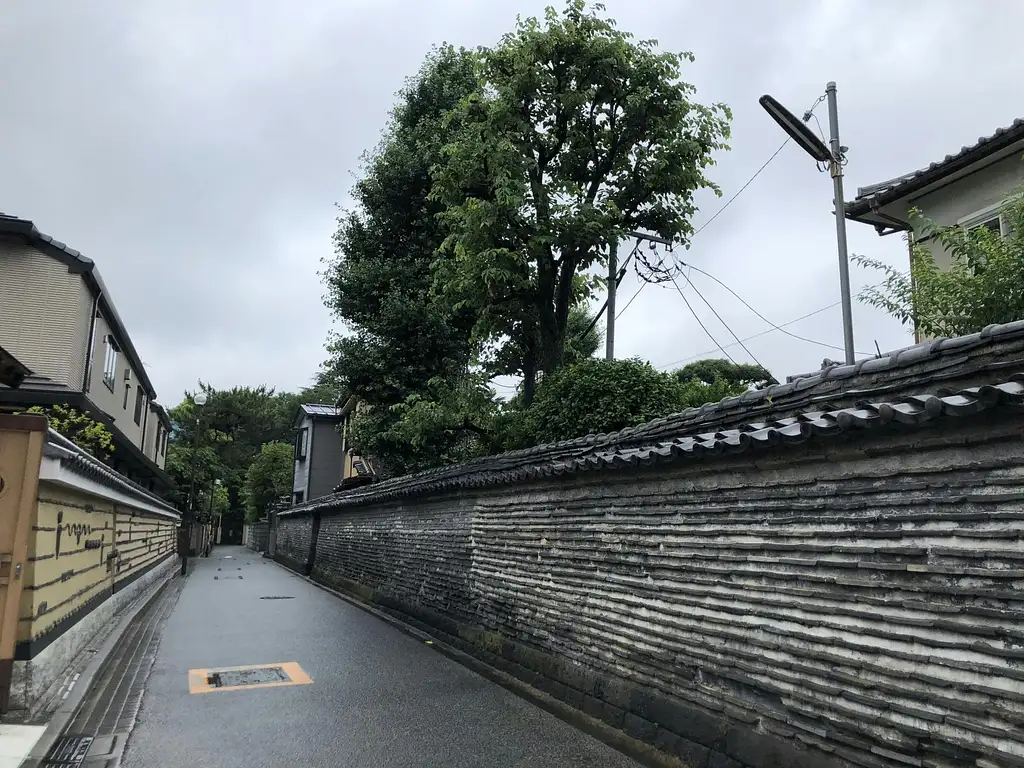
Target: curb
(640,751)
(66,711)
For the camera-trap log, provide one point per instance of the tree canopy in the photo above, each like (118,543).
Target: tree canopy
(601,396)
(501,179)
(235,425)
(268,478)
(713,370)
(576,134)
(983,283)
(408,352)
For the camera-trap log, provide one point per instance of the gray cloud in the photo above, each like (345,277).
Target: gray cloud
(196,152)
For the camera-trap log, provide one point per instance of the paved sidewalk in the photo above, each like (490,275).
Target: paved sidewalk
(378,697)
(16,741)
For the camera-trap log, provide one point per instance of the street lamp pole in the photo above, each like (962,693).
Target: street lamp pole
(833,156)
(186,524)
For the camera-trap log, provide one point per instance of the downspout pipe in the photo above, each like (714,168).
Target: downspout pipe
(87,378)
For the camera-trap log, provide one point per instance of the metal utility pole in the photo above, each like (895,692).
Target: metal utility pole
(836,169)
(613,268)
(832,156)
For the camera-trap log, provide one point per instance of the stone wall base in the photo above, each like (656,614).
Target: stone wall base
(34,681)
(696,736)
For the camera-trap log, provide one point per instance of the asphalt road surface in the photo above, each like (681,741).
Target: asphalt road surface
(379,698)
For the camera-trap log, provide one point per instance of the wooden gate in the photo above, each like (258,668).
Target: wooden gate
(21,451)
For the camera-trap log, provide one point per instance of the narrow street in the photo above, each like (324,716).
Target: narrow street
(378,697)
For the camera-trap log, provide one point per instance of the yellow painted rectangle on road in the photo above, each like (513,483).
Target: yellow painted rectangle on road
(247,677)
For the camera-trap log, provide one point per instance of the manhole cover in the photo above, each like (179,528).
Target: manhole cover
(247,678)
(70,751)
(235,678)
(278,597)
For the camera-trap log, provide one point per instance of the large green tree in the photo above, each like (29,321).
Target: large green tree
(233,425)
(268,478)
(982,284)
(407,353)
(577,134)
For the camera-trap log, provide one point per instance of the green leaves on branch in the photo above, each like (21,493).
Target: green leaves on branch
(713,370)
(982,283)
(235,425)
(85,432)
(408,351)
(268,478)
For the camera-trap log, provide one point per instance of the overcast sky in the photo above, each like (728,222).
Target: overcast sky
(196,150)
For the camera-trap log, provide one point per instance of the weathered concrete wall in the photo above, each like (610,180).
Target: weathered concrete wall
(855,601)
(255,536)
(294,541)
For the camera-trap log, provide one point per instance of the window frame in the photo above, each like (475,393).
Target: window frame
(140,404)
(980,217)
(127,388)
(111,352)
(302,444)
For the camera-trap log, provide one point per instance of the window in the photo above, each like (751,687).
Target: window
(297,497)
(159,437)
(301,443)
(140,401)
(989,218)
(127,387)
(110,353)
(163,444)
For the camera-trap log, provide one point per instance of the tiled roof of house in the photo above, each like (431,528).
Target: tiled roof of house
(320,409)
(891,189)
(87,267)
(905,387)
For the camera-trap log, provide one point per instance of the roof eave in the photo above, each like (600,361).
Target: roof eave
(990,152)
(12,371)
(86,267)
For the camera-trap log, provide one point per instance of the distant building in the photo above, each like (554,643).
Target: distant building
(357,469)
(324,459)
(59,323)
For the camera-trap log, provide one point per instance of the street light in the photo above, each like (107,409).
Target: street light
(833,155)
(200,400)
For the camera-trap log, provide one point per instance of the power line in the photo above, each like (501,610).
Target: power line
(807,116)
(701,324)
(730,330)
(773,325)
(774,328)
(740,191)
(750,338)
(715,216)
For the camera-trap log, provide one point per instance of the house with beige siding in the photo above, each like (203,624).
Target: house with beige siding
(58,320)
(968,189)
